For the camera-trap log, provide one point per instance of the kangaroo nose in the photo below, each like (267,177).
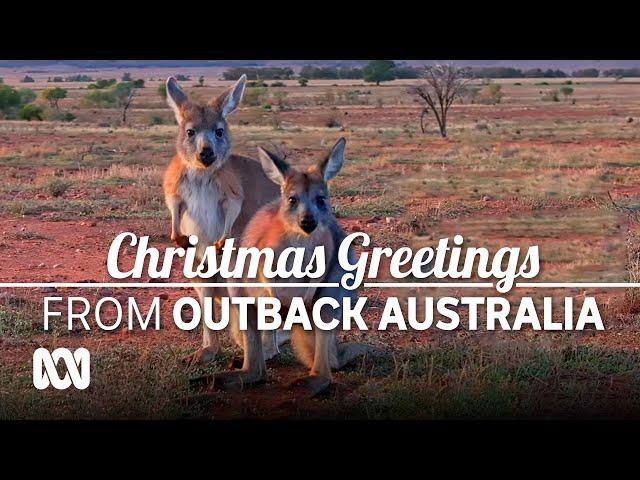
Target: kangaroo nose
(308,223)
(206,156)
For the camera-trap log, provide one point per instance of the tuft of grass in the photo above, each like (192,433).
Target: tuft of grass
(57,187)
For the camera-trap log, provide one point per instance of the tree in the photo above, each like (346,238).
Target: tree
(201,81)
(379,71)
(139,83)
(303,82)
(587,73)
(126,77)
(27,79)
(443,84)
(54,95)
(124,93)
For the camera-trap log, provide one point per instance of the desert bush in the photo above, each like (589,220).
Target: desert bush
(267,106)
(333,122)
(155,119)
(182,78)
(126,77)
(253,96)
(162,91)
(9,97)
(566,91)
(278,84)
(139,83)
(57,187)
(491,94)
(101,84)
(256,84)
(31,112)
(27,79)
(303,82)
(99,98)
(58,116)
(26,95)
(551,96)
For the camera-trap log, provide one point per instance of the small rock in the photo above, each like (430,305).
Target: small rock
(630,120)
(23,229)
(41,265)
(388,219)
(57,265)
(486,198)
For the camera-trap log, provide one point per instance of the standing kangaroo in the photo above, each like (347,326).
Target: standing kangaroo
(301,217)
(210,192)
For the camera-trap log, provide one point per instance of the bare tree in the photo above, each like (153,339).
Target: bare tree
(443,84)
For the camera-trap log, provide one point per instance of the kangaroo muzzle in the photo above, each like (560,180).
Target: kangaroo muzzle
(308,223)
(206,156)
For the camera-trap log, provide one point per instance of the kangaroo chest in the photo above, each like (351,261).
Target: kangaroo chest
(209,199)
(285,294)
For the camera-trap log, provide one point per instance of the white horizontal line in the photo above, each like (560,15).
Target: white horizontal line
(577,285)
(427,285)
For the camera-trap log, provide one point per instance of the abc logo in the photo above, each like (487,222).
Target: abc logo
(45,372)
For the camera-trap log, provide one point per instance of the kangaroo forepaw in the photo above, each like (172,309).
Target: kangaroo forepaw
(314,385)
(201,356)
(182,241)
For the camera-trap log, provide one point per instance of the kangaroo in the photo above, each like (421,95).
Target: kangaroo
(209,191)
(301,217)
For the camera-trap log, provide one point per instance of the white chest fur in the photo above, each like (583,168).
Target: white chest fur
(210,197)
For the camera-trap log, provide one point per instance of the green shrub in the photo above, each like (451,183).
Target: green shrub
(57,187)
(139,83)
(31,112)
(99,98)
(277,84)
(156,119)
(267,106)
(102,84)
(27,79)
(26,95)
(303,82)
(162,91)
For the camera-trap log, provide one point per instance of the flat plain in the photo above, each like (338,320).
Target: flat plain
(563,175)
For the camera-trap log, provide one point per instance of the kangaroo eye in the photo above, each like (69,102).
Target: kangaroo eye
(190,132)
(293,201)
(219,132)
(321,200)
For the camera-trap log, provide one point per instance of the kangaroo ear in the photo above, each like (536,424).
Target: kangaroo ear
(275,168)
(176,98)
(332,163)
(233,96)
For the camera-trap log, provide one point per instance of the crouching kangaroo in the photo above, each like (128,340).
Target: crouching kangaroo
(301,217)
(210,192)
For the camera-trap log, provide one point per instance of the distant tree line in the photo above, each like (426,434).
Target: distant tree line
(621,72)
(262,73)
